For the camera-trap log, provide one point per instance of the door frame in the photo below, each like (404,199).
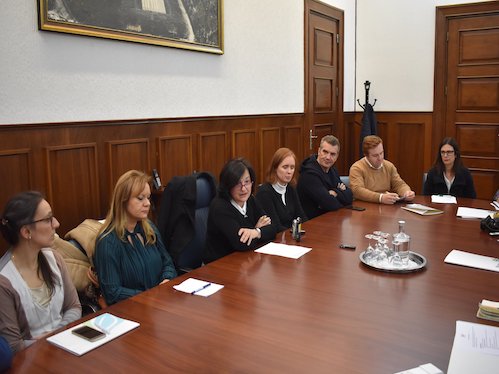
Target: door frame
(443,15)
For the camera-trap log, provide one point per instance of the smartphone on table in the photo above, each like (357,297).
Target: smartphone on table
(88,333)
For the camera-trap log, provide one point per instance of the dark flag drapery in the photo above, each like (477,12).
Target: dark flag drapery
(369,121)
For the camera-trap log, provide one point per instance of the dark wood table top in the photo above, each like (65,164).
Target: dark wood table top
(324,312)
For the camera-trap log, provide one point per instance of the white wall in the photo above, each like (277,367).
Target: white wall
(55,77)
(396,53)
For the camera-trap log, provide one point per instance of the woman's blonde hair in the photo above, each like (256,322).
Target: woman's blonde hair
(277,159)
(128,185)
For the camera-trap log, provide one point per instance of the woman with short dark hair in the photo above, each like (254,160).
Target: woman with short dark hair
(449,176)
(236,222)
(37,295)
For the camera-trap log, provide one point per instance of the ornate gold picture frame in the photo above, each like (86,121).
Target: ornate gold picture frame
(188,24)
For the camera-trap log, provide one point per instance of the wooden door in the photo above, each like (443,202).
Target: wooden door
(323,74)
(470,105)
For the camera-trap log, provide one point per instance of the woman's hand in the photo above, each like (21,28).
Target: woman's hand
(164,281)
(263,221)
(247,235)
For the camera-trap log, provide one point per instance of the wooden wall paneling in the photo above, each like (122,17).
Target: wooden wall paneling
(245,144)
(73,183)
(174,156)
(409,147)
(293,139)
(15,172)
(350,145)
(213,152)
(484,181)
(124,155)
(270,141)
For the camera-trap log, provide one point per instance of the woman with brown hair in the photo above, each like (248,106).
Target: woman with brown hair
(36,292)
(449,176)
(278,195)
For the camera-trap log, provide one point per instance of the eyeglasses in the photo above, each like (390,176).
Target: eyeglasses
(247,184)
(446,153)
(49,220)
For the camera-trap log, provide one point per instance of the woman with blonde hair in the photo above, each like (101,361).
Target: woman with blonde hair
(278,195)
(129,254)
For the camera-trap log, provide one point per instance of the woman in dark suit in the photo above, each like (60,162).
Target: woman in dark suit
(449,176)
(278,195)
(236,222)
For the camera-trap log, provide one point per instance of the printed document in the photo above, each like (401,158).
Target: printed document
(475,349)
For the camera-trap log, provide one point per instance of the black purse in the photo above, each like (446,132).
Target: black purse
(490,224)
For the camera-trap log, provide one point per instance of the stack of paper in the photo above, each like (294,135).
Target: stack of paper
(443,199)
(284,250)
(488,310)
(473,260)
(422,209)
(475,349)
(464,212)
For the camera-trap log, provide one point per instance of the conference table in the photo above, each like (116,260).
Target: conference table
(325,312)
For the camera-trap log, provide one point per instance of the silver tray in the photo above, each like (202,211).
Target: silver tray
(416,258)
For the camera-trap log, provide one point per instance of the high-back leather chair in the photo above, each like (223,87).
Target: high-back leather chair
(183,218)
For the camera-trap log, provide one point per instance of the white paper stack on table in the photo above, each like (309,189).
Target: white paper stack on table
(473,260)
(488,310)
(443,199)
(475,349)
(464,212)
(110,324)
(283,250)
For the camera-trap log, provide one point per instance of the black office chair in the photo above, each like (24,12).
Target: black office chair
(183,217)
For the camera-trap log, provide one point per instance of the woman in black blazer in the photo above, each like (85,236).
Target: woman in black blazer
(449,176)
(236,221)
(278,195)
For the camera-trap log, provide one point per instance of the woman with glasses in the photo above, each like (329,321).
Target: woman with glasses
(129,254)
(278,195)
(36,292)
(449,176)
(236,222)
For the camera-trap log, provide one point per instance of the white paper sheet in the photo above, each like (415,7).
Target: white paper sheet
(115,327)
(443,199)
(423,369)
(475,349)
(284,250)
(198,287)
(472,212)
(473,260)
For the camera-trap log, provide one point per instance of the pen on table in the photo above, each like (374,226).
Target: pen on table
(201,288)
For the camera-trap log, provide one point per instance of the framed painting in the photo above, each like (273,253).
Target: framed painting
(187,24)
